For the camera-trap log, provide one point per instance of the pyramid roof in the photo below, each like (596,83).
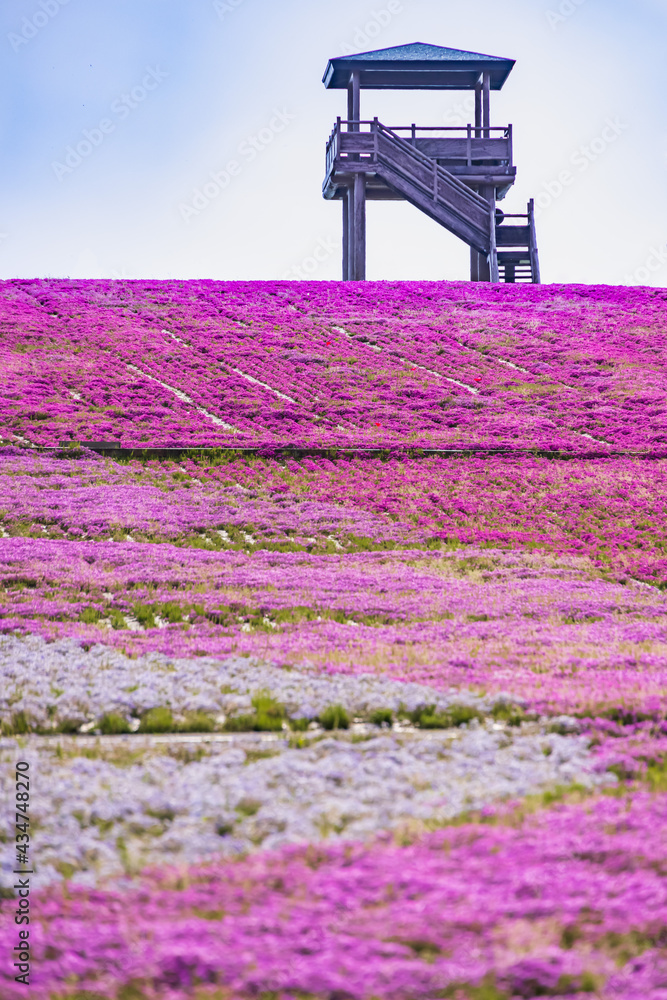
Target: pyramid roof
(417,66)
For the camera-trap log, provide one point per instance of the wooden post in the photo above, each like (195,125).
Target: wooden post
(351,245)
(474,265)
(478,109)
(493,250)
(511,145)
(346,237)
(485,262)
(483,269)
(353,100)
(486,110)
(534,258)
(359,228)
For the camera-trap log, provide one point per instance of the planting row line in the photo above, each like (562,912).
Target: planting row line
(609,511)
(546,630)
(275,368)
(570,901)
(106,809)
(59,686)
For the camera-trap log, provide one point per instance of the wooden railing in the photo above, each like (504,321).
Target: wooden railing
(462,144)
(442,183)
(520,236)
(420,178)
(410,165)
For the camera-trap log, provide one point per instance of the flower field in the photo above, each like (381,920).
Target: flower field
(556,905)
(425,364)
(359,692)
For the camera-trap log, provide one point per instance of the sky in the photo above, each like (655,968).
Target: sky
(186,138)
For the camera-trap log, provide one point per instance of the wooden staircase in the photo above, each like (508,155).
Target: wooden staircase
(521,262)
(432,188)
(511,250)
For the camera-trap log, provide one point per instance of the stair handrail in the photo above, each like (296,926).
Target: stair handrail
(494,275)
(534,256)
(486,229)
(434,190)
(430,163)
(506,129)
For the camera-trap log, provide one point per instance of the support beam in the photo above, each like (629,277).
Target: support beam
(488,265)
(486,105)
(484,271)
(474,265)
(353,99)
(534,258)
(478,109)
(494,275)
(346,237)
(358,264)
(351,245)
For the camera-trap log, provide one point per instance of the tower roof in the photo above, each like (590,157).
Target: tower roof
(417,66)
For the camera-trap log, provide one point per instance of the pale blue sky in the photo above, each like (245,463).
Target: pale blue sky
(160,94)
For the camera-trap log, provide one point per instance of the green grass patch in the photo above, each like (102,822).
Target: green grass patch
(268,716)
(426,716)
(510,714)
(197,722)
(299,725)
(90,616)
(157,720)
(113,724)
(334,717)
(382,717)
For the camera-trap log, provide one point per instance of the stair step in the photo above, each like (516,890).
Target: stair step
(409,173)
(432,189)
(512,236)
(518,257)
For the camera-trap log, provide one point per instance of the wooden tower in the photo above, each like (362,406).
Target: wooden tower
(455,174)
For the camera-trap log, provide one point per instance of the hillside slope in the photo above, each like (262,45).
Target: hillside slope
(441,365)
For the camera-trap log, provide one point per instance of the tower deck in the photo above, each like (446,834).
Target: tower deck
(477,159)
(454,174)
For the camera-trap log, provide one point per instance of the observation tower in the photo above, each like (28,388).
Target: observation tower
(454,174)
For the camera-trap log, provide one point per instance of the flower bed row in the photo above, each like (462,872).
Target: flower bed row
(60,687)
(571,901)
(47,496)
(608,510)
(214,362)
(544,629)
(132,803)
